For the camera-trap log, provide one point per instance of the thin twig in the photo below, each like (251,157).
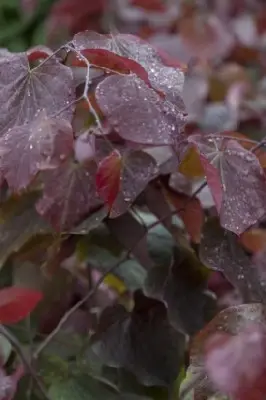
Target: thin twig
(92,292)
(18,348)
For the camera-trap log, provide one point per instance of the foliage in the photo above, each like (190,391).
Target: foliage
(132,200)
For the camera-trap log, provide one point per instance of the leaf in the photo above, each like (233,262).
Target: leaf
(253,240)
(24,92)
(138,113)
(232,321)
(220,250)
(131,234)
(106,59)
(5,349)
(191,213)
(69,193)
(108,177)
(138,169)
(141,341)
(42,144)
(85,387)
(228,359)
(101,249)
(241,178)
(182,285)
(166,79)
(16,303)
(20,223)
(190,165)
(90,223)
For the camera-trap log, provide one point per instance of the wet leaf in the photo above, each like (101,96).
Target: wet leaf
(42,144)
(23,96)
(220,250)
(137,112)
(141,341)
(240,176)
(138,169)
(164,78)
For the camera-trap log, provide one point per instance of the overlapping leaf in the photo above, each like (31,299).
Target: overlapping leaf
(169,80)
(42,144)
(137,112)
(182,285)
(234,175)
(69,193)
(142,341)
(24,92)
(220,250)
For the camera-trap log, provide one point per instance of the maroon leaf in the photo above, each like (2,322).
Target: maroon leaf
(17,303)
(69,193)
(24,92)
(106,59)
(27,149)
(236,364)
(108,177)
(38,53)
(137,112)
(241,178)
(138,169)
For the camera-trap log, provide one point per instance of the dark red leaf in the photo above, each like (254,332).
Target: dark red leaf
(108,177)
(28,149)
(37,53)
(16,303)
(106,59)
(69,193)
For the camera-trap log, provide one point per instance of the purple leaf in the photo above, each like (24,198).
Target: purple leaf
(241,178)
(24,92)
(138,169)
(137,112)
(42,144)
(220,250)
(69,193)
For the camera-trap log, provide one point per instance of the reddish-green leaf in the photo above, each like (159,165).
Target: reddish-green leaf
(16,303)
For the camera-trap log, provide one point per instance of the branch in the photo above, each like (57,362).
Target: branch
(18,348)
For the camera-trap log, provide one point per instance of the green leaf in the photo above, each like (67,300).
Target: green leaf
(81,388)
(19,223)
(143,341)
